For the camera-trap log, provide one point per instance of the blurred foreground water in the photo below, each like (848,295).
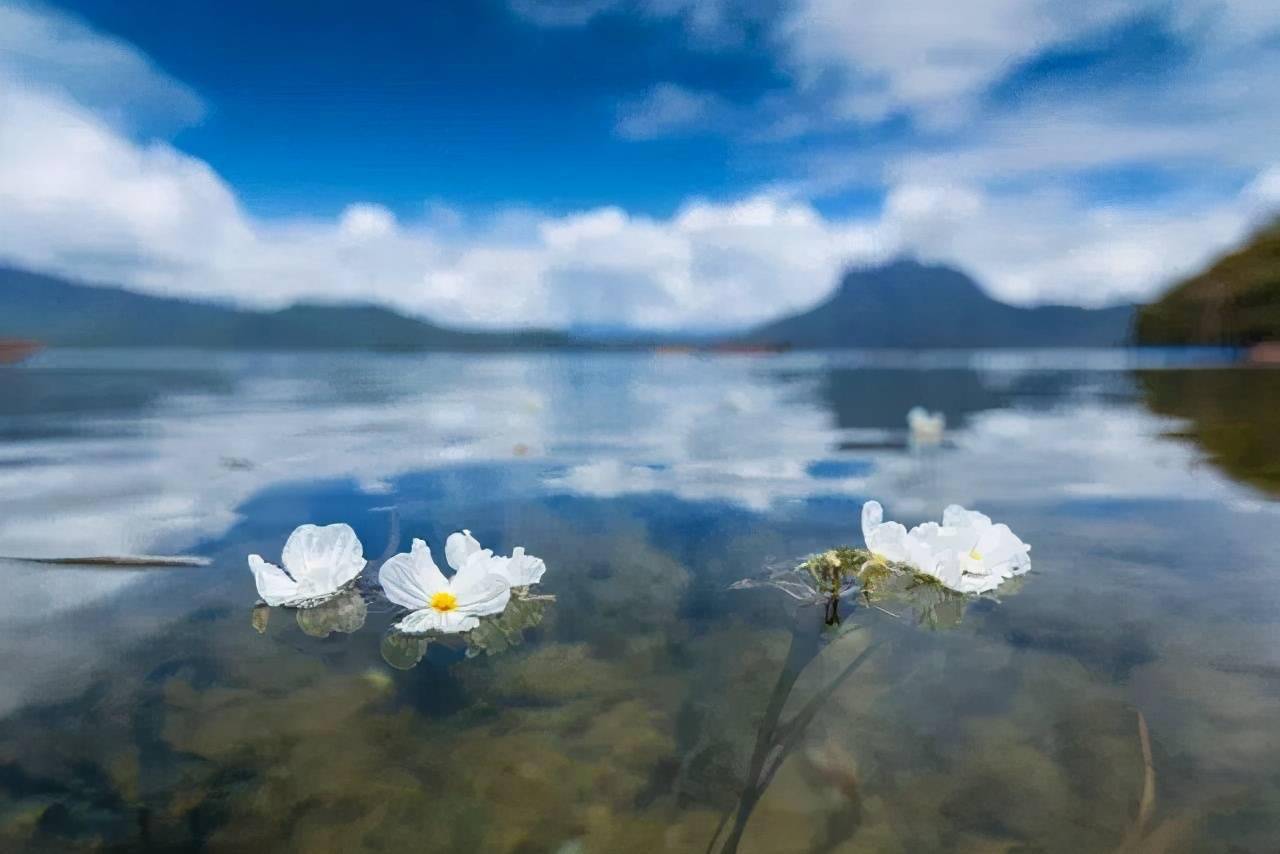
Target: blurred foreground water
(156,710)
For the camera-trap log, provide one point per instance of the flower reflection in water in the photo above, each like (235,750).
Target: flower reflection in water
(402,651)
(343,613)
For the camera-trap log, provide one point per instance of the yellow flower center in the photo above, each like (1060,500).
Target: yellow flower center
(974,554)
(444,601)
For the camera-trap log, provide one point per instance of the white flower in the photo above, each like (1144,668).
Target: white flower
(926,427)
(318,562)
(887,541)
(966,553)
(984,554)
(520,569)
(445,604)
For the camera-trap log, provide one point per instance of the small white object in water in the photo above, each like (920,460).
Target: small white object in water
(926,427)
(967,553)
(736,400)
(318,562)
(442,604)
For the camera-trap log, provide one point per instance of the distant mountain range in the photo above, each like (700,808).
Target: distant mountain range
(1234,302)
(904,304)
(59,312)
(910,305)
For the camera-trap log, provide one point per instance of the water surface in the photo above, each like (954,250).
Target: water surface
(154,710)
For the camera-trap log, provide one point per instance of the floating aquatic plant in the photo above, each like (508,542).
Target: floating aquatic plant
(930,569)
(967,553)
(322,563)
(441,604)
(318,562)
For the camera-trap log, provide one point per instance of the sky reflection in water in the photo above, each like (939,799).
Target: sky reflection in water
(143,706)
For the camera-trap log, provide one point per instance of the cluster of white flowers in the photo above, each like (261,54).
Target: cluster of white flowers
(966,553)
(320,562)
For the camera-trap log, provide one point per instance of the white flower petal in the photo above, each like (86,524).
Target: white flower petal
(888,541)
(522,569)
(966,553)
(946,568)
(323,559)
(431,620)
(956,516)
(274,586)
(939,538)
(412,579)
(872,517)
(479,588)
(1000,544)
(885,540)
(459,548)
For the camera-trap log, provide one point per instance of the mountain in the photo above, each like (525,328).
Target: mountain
(59,312)
(903,305)
(910,305)
(1234,302)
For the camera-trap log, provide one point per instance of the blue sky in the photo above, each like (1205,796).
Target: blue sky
(460,101)
(662,163)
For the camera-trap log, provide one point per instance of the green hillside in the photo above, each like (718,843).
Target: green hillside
(1234,302)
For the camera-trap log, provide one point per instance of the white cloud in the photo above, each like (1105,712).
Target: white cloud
(934,61)
(709,22)
(1264,190)
(921,56)
(563,13)
(81,195)
(365,221)
(78,197)
(47,50)
(1049,246)
(854,65)
(666,109)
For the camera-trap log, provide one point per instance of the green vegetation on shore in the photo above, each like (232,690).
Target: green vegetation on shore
(1234,302)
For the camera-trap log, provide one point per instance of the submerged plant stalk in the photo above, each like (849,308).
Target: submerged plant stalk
(776,739)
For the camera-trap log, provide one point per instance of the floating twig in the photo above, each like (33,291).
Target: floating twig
(119,561)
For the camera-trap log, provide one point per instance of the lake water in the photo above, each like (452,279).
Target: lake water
(157,710)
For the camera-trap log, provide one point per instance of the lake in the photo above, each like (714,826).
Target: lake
(1123,696)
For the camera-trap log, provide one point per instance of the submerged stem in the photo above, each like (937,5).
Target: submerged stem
(776,740)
